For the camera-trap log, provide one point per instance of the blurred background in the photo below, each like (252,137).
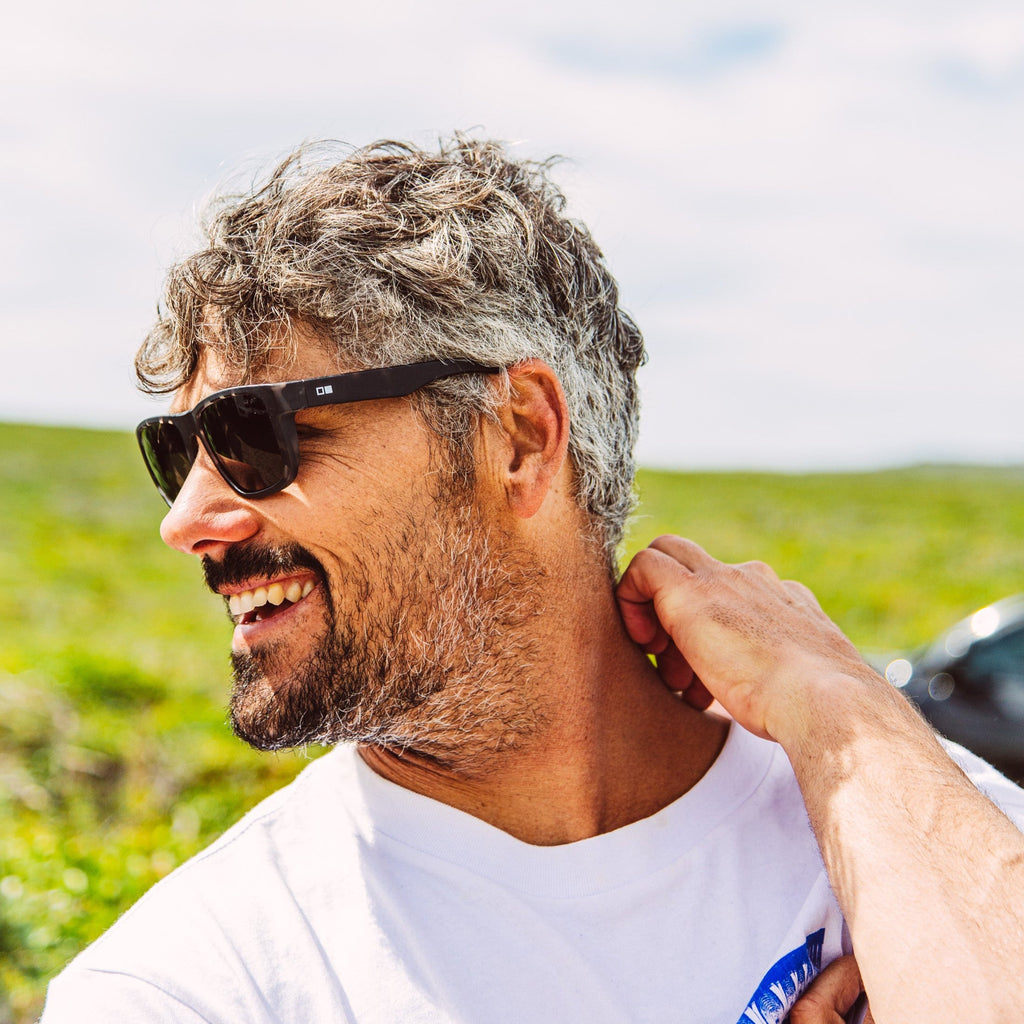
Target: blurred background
(814,214)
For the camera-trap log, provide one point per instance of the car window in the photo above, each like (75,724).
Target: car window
(993,670)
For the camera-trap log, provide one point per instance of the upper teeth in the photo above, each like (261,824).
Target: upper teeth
(276,593)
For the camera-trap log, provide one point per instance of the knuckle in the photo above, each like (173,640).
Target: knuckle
(642,556)
(679,548)
(760,569)
(644,561)
(800,591)
(669,540)
(666,538)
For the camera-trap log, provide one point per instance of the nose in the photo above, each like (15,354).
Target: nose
(207,516)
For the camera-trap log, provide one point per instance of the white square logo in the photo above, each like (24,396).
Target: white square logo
(325,389)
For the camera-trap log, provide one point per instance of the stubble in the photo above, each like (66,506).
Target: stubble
(428,645)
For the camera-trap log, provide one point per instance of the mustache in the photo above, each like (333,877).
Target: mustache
(242,563)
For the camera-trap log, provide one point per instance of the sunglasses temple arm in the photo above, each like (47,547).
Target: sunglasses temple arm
(385,382)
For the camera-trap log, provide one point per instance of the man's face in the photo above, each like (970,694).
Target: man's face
(373,598)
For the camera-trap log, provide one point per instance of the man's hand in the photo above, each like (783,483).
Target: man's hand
(736,633)
(832,996)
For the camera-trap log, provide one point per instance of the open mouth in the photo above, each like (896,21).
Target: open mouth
(265,602)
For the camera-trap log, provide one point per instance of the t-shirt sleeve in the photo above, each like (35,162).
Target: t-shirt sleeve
(1006,795)
(87,996)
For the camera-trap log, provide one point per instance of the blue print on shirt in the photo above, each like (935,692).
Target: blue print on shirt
(785,982)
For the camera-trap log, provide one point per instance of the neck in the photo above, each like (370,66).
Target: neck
(601,742)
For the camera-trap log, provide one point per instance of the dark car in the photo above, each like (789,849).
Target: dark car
(969,683)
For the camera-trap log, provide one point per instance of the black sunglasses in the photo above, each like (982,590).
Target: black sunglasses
(250,431)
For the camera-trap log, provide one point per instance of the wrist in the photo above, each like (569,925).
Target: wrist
(831,708)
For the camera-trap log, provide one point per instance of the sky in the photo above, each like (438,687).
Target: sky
(814,211)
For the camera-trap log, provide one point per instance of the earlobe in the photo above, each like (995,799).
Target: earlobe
(535,421)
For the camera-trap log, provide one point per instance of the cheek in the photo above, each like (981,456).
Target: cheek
(362,492)
(377,470)
(361,520)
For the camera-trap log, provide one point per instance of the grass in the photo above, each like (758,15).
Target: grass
(115,761)
(893,556)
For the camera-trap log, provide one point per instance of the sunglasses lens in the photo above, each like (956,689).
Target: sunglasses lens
(239,431)
(167,455)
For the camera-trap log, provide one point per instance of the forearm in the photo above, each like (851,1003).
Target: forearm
(929,873)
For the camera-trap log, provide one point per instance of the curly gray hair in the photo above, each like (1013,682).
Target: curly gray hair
(396,254)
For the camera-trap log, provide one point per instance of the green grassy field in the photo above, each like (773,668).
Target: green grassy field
(115,762)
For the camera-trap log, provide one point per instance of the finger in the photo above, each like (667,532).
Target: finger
(830,995)
(651,577)
(686,552)
(642,625)
(677,675)
(698,696)
(674,669)
(647,572)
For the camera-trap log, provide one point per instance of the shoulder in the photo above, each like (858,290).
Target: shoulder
(87,996)
(760,806)
(198,931)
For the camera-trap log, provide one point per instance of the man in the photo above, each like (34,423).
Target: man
(401,445)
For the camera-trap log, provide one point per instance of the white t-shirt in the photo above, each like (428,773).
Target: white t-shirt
(344,897)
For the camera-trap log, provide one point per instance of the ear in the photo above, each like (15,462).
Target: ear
(534,428)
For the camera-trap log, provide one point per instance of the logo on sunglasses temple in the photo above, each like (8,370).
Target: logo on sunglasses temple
(325,389)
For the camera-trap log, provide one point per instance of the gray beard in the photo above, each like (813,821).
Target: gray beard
(434,654)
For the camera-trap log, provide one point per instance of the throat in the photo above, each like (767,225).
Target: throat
(550,795)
